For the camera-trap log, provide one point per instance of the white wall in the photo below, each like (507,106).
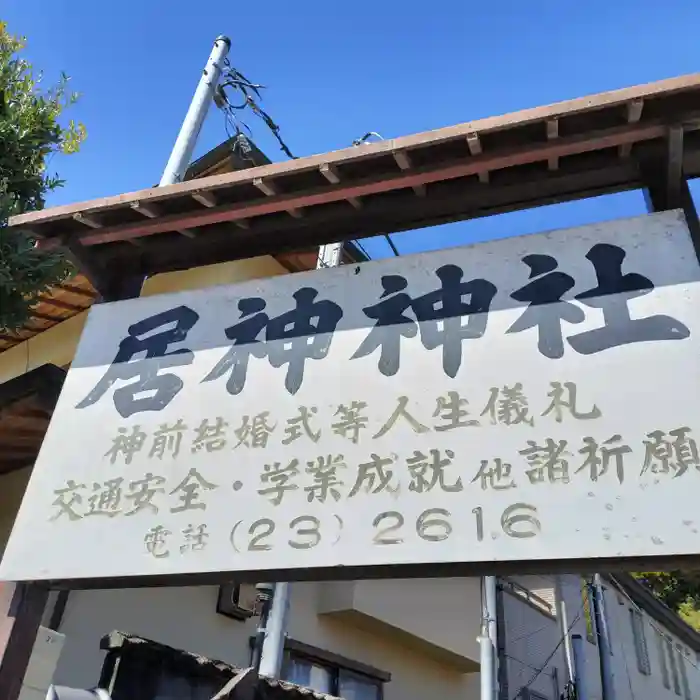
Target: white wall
(630,684)
(407,608)
(186,618)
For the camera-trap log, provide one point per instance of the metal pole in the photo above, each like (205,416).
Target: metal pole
(192,125)
(488,641)
(274,631)
(272,654)
(579,656)
(603,633)
(564,628)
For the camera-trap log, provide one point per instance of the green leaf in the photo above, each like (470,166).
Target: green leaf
(31,131)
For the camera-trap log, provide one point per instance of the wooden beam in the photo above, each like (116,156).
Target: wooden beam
(60,304)
(634,114)
(564,146)
(462,201)
(78,291)
(552,134)
(674,167)
(474,144)
(269,189)
(403,160)
(46,317)
(151,211)
(330,172)
(89,220)
(24,617)
(206,198)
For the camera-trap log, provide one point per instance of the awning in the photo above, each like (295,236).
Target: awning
(579,148)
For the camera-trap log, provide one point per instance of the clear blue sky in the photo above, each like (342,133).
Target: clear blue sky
(338,69)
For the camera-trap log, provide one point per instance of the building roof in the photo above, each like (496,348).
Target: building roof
(582,147)
(274,689)
(642,597)
(63,301)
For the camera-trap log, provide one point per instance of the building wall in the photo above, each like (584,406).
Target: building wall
(630,683)
(186,618)
(531,636)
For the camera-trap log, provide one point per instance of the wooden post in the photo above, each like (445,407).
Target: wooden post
(666,187)
(20,629)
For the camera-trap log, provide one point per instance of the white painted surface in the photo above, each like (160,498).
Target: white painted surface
(650,513)
(444,614)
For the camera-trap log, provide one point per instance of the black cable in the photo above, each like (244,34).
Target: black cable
(236,81)
(548,659)
(392,245)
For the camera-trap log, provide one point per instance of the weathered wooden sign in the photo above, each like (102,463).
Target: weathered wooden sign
(523,399)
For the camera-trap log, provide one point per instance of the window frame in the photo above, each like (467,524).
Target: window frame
(675,675)
(335,665)
(663,661)
(685,685)
(228,602)
(641,648)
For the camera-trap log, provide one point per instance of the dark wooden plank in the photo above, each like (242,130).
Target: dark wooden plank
(25,613)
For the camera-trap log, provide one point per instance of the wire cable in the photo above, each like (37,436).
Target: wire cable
(233,81)
(550,657)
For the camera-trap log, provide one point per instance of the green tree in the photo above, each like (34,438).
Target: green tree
(30,133)
(680,590)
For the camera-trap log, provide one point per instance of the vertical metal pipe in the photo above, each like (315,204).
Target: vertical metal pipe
(272,655)
(564,628)
(579,657)
(189,131)
(488,640)
(603,634)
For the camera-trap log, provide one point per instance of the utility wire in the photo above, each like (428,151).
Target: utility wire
(550,657)
(235,83)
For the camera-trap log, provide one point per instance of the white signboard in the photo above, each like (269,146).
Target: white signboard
(534,398)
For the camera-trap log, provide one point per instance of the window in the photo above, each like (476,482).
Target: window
(674,666)
(662,660)
(640,642)
(588,610)
(328,673)
(684,672)
(237,601)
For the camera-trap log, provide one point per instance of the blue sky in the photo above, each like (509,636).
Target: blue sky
(337,70)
